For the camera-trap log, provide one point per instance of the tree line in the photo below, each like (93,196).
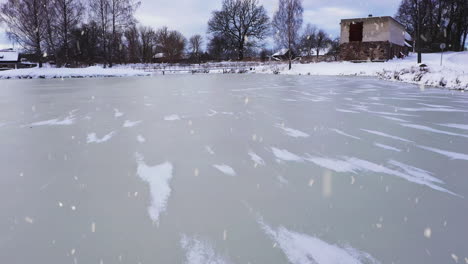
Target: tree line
(85,32)
(433,22)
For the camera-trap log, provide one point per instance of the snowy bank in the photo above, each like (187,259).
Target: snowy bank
(453,74)
(51,73)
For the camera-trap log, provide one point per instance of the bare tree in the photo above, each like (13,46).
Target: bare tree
(100,14)
(68,15)
(132,36)
(287,22)
(241,22)
(195,43)
(25,20)
(121,16)
(322,41)
(309,39)
(218,47)
(171,43)
(148,41)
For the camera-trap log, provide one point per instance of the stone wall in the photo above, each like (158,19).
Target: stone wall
(371,51)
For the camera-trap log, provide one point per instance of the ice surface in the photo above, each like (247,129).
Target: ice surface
(225,169)
(172,118)
(345,134)
(355,165)
(387,147)
(305,249)
(209,150)
(117,113)
(92,138)
(255,158)
(129,123)
(66,121)
(346,111)
(141,139)
(200,252)
(158,177)
(449,154)
(459,126)
(386,135)
(292,132)
(433,130)
(284,155)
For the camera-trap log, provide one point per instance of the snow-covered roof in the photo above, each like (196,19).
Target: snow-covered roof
(408,36)
(408,45)
(281,52)
(9,55)
(159,56)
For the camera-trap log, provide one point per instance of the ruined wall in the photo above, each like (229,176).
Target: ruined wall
(371,51)
(374,29)
(397,33)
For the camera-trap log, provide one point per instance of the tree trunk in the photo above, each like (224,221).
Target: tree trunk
(241,51)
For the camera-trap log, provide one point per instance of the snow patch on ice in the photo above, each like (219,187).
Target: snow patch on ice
(67,121)
(158,177)
(345,134)
(129,123)
(305,249)
(117,113)
(386,147)
(92,138)
(449,154)
(200,252)
(255,158)
(141,139)
(292,132)
(458,126)
(429,129)
(346,111)
(225,169)
(284,155)
(386,135)
(209,150)
(355,165)
(172,118)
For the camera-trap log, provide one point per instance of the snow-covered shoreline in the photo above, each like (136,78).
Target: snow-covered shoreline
(452,75)
(59,73)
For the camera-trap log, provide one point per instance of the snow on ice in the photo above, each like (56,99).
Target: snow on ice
(225,169)
(129,123)
(172,118)
(92,138)
(200,252)
(158,177)
(304,249)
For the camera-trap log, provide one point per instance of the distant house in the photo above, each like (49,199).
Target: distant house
(373,39)
(282,54)
(9,59)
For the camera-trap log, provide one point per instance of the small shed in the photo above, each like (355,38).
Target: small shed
(282,54)
(9,59)
(373,39)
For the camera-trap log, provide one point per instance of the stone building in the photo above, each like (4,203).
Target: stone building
(373,39)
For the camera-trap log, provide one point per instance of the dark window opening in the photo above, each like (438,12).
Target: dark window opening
(355,31)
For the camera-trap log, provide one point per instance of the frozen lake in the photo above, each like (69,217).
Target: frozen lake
(232,169)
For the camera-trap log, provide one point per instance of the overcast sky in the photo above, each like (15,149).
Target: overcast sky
(191,16)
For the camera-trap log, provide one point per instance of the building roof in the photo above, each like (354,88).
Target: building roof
(9,55)
(372,18)
(281,52)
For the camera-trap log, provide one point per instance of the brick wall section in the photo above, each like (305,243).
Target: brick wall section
(370,51)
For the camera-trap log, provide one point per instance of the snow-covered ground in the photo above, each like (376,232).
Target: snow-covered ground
(51,73)
(453,74)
